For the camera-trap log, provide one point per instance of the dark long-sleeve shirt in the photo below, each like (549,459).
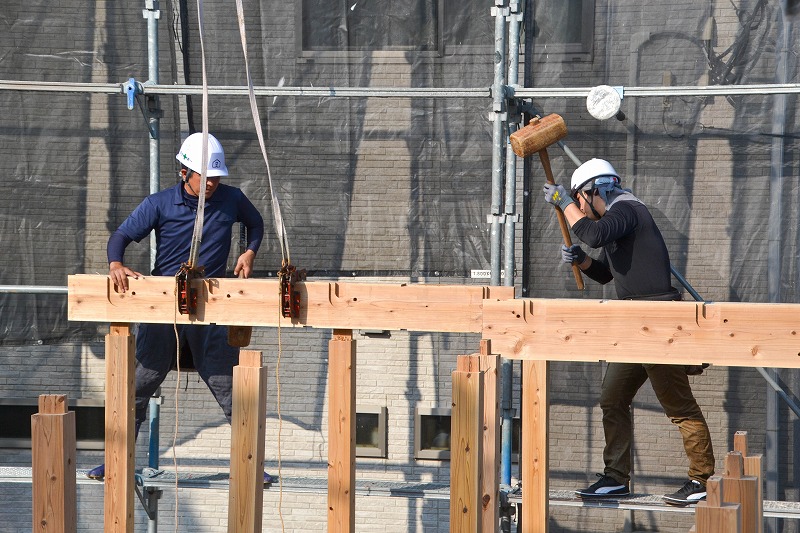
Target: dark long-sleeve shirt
(634,253)
(171,214)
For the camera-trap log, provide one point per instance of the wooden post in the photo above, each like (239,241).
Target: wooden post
(466,425)
(752,467)
(743,490)
(120,407)
(246,494)
(341,432)
(53,466)
(714,516)
(490,458)
(535,450)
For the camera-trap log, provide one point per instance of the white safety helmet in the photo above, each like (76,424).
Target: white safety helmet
(191,155)
(590,176)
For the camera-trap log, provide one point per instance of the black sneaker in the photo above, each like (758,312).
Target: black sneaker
(606,487)
(691,492)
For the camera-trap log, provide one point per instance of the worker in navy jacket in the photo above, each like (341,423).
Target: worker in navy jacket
(171,214)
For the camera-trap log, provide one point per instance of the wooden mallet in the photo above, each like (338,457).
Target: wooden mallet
(540,133)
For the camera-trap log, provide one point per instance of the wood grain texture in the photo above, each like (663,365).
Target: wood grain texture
(53,467)
(341,432)
(256,302)
(466,452)
(248,425)
(726,334)
(535,448)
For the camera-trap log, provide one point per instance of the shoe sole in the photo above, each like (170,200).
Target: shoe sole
(603,496)
(680,503)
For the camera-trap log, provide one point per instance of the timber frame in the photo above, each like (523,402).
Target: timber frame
(533,330)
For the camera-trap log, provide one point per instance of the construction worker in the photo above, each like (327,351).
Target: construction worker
(603,215)
(171,214)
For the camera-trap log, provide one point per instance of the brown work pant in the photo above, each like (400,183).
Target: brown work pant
(620,384)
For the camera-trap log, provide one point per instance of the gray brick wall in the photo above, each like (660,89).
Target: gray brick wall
(395,185)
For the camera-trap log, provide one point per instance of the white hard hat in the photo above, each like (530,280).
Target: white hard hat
(191,155)
(584,176)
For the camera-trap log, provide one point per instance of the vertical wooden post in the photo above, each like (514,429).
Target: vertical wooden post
(246,494)
(535,450)
(120,407)
(715,516)
(490,457)
(743,490)
(53,466)
(752,467)
(341,432)
(466,428)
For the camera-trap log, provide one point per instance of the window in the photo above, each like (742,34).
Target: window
(15,421)
(369,25)
(335,29)
(370,431)
(432,433)
(564,28)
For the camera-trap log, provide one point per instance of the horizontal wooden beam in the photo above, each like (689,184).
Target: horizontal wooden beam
(256,302)
(719,333)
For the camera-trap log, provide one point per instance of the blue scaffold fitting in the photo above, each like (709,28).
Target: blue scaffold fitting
(132,88)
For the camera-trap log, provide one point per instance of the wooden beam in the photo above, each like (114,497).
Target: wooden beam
(414,307)
(342,432)
(721,333)
(120,407)
(246,492)
(714,515)
(53,466)
(466,452)
(535,448)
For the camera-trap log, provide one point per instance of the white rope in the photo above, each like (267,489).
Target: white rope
(280,228)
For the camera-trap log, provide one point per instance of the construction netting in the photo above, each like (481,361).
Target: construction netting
(401,186)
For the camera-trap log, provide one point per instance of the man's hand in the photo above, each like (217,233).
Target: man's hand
(573,254)
(557,195)
(244,264)
(119,275)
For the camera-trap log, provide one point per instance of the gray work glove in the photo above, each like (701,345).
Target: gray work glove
(573,254)
(557,195)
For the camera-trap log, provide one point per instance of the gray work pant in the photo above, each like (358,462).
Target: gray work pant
(213,358)
(620,384)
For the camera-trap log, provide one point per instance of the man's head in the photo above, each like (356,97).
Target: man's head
(191,157)
(592,181)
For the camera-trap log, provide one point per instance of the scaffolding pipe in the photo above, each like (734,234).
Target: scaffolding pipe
(499,118)
(704,91)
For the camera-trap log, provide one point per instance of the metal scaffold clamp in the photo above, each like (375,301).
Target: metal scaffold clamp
(132,88)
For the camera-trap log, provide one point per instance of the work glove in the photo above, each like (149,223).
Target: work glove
(557,195)
(572,254)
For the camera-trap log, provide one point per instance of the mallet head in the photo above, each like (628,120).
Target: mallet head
(540,133)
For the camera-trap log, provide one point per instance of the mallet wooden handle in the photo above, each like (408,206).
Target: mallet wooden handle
(562,221)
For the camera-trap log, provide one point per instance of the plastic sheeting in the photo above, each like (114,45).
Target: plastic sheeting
(401,187)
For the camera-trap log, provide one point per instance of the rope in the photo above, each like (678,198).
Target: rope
(280,228)
(177,395)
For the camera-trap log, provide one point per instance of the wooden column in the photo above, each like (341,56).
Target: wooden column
(341,432)
(752,467)
(535,450)
(490,458)
(120,407)
(53,461)
(246,494)
(743,490)
(466,443)
(714,515)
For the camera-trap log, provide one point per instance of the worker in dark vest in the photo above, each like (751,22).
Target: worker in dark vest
(171,214)
(607,217)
